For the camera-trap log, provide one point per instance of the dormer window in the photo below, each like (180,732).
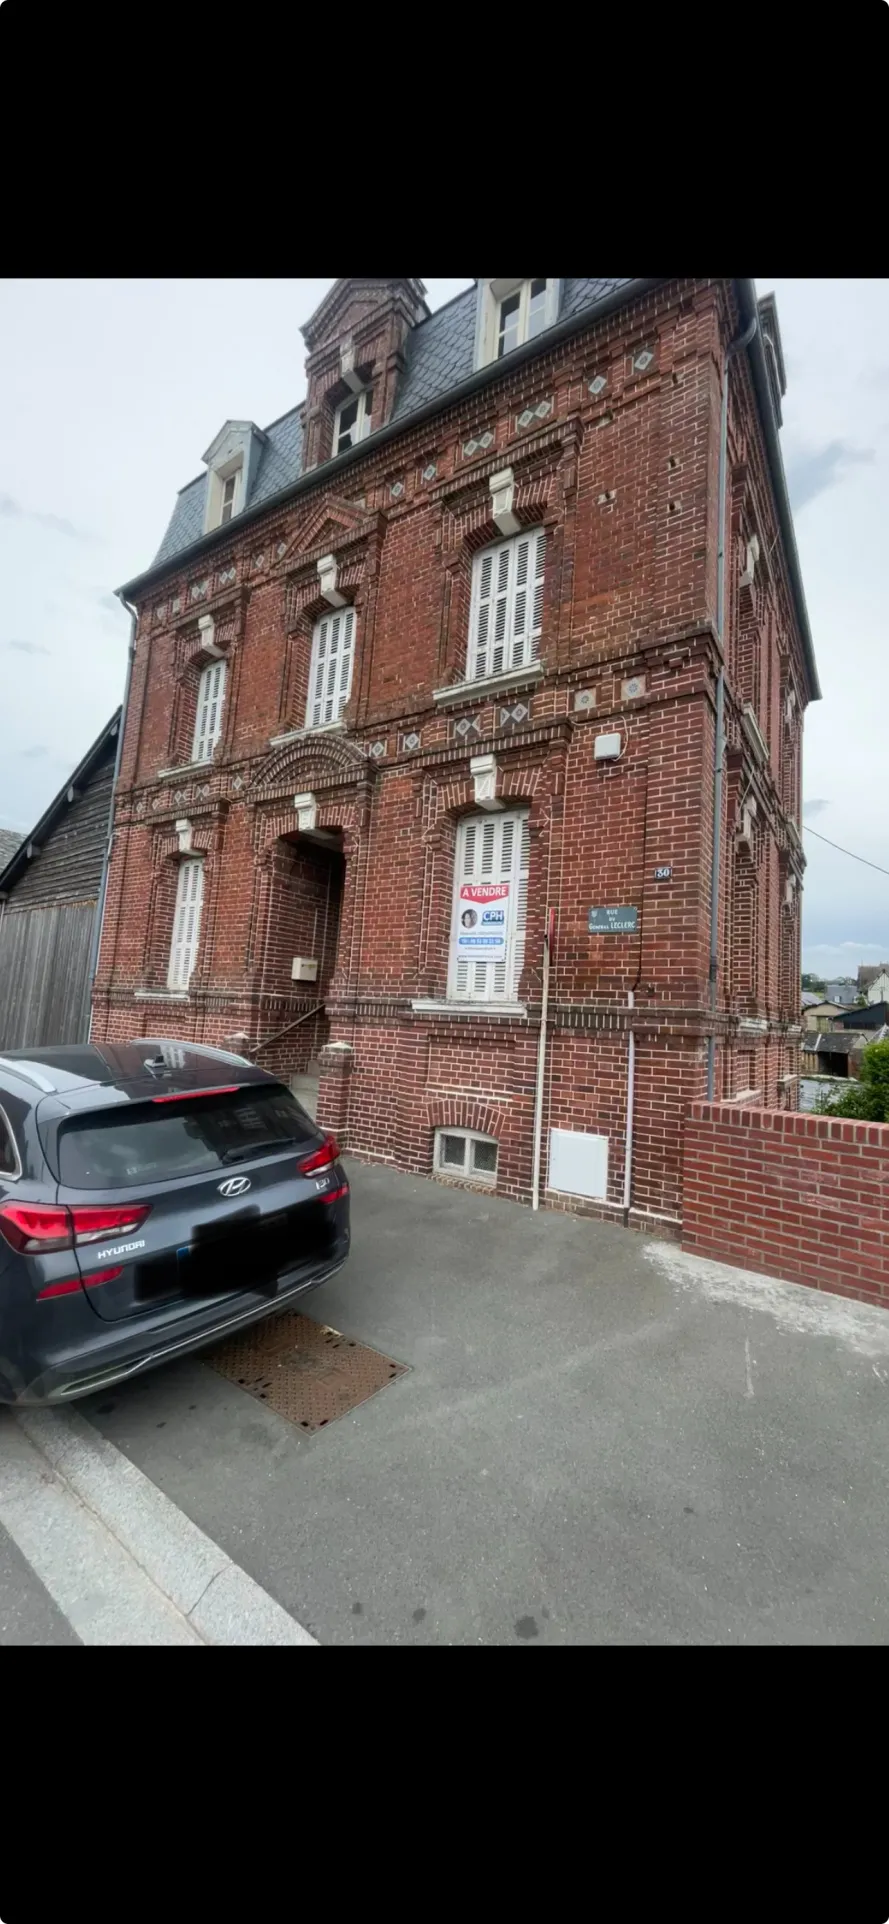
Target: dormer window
(512,312)
(225,494)
(228,498)
(233,462)
(352,421)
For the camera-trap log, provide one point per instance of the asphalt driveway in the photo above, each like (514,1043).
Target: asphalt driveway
(597,1440)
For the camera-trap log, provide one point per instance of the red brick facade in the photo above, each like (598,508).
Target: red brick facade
(624,483)
(803,1197)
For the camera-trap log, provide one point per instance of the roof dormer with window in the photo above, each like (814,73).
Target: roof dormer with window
(511,312)
(232,462)
(355,342)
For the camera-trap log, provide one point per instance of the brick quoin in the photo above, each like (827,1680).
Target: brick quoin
(624,483)
(803,1197)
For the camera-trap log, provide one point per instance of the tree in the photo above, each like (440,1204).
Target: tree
(868,1098)
(813,985)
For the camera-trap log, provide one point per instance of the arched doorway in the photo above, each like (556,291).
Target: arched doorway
(301,947)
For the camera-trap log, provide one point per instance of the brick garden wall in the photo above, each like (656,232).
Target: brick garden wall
(803,1197)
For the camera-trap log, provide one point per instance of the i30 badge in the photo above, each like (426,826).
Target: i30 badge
(235,1186)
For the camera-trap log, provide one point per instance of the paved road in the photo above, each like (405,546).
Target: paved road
(597,1441)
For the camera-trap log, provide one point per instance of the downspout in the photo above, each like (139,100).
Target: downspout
(541,1059)
(103,886)
(735,347)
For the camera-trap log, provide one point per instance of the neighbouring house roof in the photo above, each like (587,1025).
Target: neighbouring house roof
(869,1017)
(812,1001)
(439,354)
(10,840)
(839,1042)
(18,859)
(868,972)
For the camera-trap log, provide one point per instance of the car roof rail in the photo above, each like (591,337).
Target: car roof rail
(197,1048)
(29,1074)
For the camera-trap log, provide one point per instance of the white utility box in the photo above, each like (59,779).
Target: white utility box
(578,1164)
(304,969)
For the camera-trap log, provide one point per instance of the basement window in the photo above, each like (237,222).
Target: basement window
(462,1153)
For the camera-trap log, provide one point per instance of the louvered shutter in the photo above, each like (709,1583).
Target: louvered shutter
(186,924)
(507,605)
(208,718)
(330,674)
(491,848)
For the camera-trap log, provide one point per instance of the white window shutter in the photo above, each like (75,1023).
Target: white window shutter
(521,907)
(208,716)
(330,671)
(491,849)
(186,924)
(507,605)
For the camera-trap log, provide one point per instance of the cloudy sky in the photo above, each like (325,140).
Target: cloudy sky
(111,391)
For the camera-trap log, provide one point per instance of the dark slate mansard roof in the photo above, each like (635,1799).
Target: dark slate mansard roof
(439,355)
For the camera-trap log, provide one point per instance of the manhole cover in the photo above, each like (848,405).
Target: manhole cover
(304,1371)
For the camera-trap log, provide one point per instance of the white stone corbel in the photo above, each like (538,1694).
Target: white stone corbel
(347,368)
(752,559)
(483,769)
(184,832)
(790,887)
(327,572)
(502,487)
(209,643)
(306,810)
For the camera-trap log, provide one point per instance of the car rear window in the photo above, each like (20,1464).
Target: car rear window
(149,1143)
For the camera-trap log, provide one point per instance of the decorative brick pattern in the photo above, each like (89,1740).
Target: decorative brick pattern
(802,1197)
(628,603)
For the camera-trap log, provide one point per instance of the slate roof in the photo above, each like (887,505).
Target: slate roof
(439,356)
(838,1042)
(10,840)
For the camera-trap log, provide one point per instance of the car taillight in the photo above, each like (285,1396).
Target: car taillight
(36,1229)
(336,1195)
(320,1158)
(92,1225)
(192,1095)
(73,1283)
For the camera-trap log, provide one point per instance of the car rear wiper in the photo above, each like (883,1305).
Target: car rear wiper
(245,1150)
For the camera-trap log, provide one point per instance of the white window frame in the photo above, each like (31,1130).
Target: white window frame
(330,668)
(491,296)
(506,605)
(364,422)
(478,856)
(484,1178)
(186,924)
(230,471)
(208,712)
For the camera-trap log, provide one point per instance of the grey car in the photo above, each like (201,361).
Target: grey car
(154,1197)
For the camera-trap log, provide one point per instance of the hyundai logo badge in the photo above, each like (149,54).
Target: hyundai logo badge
(235,1186)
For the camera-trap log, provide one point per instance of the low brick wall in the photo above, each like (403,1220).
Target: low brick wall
(798,1196)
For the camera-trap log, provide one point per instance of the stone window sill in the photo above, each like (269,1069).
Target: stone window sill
(305,734)
(429,1006)
(187,768)
(489,685)
(161,995)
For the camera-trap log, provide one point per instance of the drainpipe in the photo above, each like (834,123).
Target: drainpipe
(103,886)
(541,1058)
(735,347)
(631,1090)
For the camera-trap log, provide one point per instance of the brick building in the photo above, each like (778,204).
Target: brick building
(440,652)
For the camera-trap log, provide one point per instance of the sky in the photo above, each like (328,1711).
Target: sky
(110,391)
